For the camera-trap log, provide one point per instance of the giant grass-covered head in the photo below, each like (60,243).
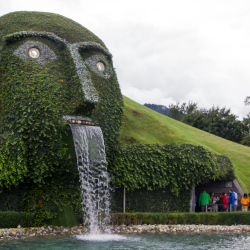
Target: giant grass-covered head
(50,67)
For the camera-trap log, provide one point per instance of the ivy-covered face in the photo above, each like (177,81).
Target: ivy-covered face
(51,70)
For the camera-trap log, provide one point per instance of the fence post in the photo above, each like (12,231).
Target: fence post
(124,199)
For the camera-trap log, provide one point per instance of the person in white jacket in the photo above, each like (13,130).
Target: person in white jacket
(236,200)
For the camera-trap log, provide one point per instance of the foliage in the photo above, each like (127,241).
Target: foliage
(61,26)
(220,218)
(109,111)
(61,190)
(219,122)
(246,140)
(247,100)
(178,167)
(167,130)
(143,200)
(13,219)
(11,200)
(177,111)
(30,131)
(33,100)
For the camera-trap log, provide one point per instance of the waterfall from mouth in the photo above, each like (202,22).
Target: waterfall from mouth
(93,175)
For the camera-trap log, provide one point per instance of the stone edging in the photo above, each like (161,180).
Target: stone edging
(123,229)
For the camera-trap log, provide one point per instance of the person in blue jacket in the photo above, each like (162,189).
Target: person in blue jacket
(231,200)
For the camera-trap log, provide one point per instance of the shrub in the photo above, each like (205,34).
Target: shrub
(11,219)
(181,218)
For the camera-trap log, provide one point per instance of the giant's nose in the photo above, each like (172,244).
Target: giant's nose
(90,93)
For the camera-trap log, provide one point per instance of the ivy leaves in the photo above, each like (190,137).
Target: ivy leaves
(177,167)
(31,124)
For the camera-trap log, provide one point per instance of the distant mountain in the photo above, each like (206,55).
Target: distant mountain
(158,108)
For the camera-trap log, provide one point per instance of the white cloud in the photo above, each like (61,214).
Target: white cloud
(164,50)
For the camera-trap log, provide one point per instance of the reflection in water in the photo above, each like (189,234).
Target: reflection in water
(135,241)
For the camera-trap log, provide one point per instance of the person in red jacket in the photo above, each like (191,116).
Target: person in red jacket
(225,201)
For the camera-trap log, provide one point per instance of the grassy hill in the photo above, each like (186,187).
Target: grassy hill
(143,125)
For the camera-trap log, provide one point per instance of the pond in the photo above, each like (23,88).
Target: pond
(134,241)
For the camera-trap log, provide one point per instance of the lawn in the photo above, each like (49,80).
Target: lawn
(143,125)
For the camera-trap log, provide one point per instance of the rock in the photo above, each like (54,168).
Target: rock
(30,232)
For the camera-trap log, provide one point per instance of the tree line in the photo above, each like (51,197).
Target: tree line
(218,121)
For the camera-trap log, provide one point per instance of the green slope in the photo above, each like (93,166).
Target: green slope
(143,125)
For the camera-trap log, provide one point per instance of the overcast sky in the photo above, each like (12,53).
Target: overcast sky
(166,51)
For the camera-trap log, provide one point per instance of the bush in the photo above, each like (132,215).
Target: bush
(13,219)
(181,218)
(173,167)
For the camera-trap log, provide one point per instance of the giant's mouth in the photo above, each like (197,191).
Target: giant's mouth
(78,120)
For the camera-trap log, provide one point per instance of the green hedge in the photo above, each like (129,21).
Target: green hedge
(181,218)
(175,166)
(13,219)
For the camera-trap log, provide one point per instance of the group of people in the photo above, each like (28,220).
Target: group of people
(224,203)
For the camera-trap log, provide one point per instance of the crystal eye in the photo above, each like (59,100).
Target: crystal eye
(100,66)
(34,53)
(35,50)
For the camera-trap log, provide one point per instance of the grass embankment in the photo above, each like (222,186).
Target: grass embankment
(143,125)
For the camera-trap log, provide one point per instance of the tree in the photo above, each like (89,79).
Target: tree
(223,123)
(179,111)
(246,138)
(247,100)
(220,122)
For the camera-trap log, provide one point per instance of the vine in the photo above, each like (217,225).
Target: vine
(178,167)
(35,152)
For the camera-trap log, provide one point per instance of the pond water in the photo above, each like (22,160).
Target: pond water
(134,241)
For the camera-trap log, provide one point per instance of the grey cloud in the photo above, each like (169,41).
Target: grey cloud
(171,51)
